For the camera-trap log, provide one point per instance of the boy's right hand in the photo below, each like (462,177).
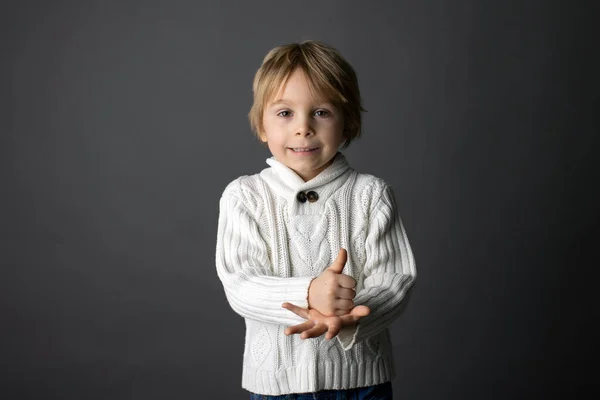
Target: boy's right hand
(331,293)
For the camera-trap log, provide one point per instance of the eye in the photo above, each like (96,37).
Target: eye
(284,113)
(322,113)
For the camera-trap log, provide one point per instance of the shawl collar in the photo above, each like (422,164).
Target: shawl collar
(285,182)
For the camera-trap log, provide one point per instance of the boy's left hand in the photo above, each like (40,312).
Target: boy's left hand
(318,324)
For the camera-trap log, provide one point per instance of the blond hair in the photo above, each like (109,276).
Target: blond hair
(329,75)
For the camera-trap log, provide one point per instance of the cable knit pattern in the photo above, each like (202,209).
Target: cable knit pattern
(269,248)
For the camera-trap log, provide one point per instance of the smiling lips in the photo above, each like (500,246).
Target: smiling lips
(303,149)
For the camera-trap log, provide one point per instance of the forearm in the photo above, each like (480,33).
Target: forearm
(260,297)
(384,298)
(244,268)
(389,271)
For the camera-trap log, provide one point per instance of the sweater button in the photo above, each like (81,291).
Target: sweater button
(301,197)
(312,196)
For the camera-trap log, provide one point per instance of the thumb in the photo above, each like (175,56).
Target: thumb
(340,262)
(360,311)
(355,315)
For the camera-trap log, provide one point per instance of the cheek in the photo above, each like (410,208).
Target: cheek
(275,141)
(337,129)
(336,124)
(272,124)
(276,148)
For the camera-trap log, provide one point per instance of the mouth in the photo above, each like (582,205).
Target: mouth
(303,149)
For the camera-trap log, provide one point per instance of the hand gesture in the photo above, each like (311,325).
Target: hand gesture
(318,324)
(331,293)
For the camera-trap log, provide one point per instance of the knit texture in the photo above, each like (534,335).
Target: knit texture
(269,248)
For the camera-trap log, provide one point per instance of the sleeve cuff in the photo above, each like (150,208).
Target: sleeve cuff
(300,297)
(347,336)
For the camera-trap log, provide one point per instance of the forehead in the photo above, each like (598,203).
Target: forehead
(298,87)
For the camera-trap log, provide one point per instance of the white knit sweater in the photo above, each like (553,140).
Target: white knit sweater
(270,246)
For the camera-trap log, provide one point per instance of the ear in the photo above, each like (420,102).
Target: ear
(263,137)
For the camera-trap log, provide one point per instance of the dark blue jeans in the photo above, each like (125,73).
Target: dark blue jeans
(377,392)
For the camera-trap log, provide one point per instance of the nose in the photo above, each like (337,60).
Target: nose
(304,126)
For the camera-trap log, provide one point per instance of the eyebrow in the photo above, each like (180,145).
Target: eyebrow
(279,102)
(286,102)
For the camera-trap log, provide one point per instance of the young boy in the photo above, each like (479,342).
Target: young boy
(311,253)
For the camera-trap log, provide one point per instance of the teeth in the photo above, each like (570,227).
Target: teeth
(304,148)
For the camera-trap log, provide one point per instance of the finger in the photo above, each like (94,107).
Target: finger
(313,332)
(333,330)
(339,313)
(346,281)
(345,305)
(340,262)
(290,330)
(346,294)
(349,319)
(355,314)
(360,311)
(299,311)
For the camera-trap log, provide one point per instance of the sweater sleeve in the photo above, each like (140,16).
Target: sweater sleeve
(244,268)
(389,271)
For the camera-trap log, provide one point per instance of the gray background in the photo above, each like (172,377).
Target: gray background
(122,123)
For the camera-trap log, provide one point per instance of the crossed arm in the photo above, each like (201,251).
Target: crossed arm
(308,305)
(388,273)
(331,307)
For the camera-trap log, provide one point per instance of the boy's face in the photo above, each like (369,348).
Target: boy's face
(302,132)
